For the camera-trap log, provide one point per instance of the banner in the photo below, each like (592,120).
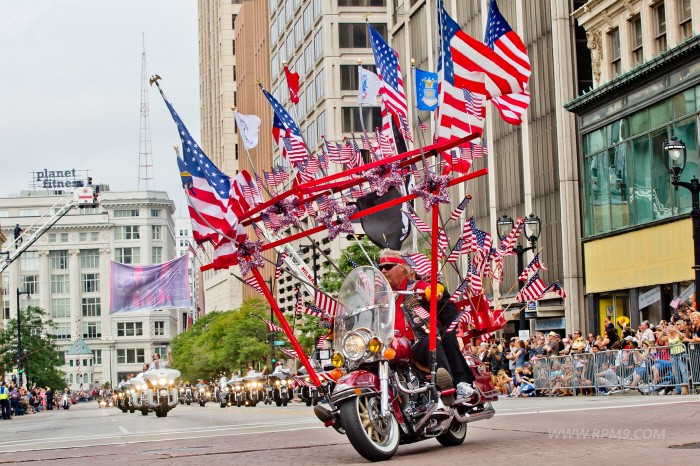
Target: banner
(248,128)
(149,287)
(426,90)
(368,87)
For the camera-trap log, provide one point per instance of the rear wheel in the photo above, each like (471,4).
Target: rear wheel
(455,436)
(163,407)
(373,437)
(314,399)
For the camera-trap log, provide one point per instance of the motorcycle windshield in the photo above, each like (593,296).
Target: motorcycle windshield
(365,301)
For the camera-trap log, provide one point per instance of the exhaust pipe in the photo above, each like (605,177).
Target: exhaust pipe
(480,416)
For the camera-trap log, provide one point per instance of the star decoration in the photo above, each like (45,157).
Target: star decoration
(433,190)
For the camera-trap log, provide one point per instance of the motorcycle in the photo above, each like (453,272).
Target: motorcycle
(161,395)
(381,398)
(188,395)
(238,395)
(224,394)
(65,401)
(280,388)
(254,389)
(203,395)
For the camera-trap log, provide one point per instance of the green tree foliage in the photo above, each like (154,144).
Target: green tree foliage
(40,358)
(224,342)
(332,280)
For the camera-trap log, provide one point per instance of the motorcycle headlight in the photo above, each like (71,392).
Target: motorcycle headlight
(284,382)
(278,383)
(161,381)
(308,379)
(354,345)
(237,387)
(226,389)
(171,382)
(337,360)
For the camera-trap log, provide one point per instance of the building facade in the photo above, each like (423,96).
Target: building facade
(67,273)
(637,234)
(219,140)
(184,243)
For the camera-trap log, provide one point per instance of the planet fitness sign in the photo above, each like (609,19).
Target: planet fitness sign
(51,179)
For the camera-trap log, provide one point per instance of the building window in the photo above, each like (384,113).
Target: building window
(90,282)
(60,308)
(349,76)
(29,261)
(636,45)
(162,350)
(318,44)
(64,237)
(28,212)
(62,357)
(127,255)
(52,237)
(126,213)
(62,331)
(159,328)
(127,232)
(58,260)
(129,329)
(30,284)
(156,232)
(156,254)
(89,259)
(94,236)
(615,57)
(660,28)
(82,237)
(60,283)
(92,307)
(351,118)
(685,16)
(131,356)
(92,330)
(356,36)
(97,356)
(156,212)
(361,2)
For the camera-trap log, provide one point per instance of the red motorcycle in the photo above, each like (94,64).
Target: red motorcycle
(384,399)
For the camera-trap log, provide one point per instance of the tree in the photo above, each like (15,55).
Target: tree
(40,359)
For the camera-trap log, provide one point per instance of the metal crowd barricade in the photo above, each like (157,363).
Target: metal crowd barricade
(540,374)
(607,375)
(561,375)
(694,363)
(635,369)
(584,370)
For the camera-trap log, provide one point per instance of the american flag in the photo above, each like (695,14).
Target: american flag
(454,215)
(506,43)
(323,202)
(325,302)
(555,287)
(676,302)
(290,352)
(286,123)
(509,241)
(419,263)
(313,311)
(534,265)
(460,289)
(456,251)
(389,71)
(300,303)
(211,206)
(475,281)
(321,341)
(421,312)
(443,242)
(271,327)
(347,152)
(191,249)
(533,290)
(295,149)
(278,265)
(423,126)
(468,235)
(486,71)
(253,282)
(462,318)
(451,123)
(322,162)
(420,224)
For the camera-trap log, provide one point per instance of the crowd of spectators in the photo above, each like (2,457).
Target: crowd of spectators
(23,401)
(653,358)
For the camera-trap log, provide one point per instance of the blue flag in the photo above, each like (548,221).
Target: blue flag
(426,90)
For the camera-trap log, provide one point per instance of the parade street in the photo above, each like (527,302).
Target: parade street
(646,430)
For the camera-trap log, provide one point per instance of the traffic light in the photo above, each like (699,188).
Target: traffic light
(274,360)
(20,371)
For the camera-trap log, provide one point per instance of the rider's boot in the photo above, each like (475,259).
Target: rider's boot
(323,414)
(443,380)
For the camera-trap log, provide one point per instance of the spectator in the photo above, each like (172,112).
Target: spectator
(611,337)
(645,333)
(566,347)
(18,235)
(693,330)
(552,346)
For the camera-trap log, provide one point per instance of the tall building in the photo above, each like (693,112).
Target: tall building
(67,273)
(637,232)
(184,242)
(219,140)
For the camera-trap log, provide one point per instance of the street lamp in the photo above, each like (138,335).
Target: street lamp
(19,334)
(675,150)
(304,250)
(504,225)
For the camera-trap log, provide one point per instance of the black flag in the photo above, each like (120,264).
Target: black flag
(386,228)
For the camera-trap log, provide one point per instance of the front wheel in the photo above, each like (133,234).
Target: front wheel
(455,435)
(373,437)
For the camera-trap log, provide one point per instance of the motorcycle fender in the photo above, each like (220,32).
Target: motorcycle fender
(355,383)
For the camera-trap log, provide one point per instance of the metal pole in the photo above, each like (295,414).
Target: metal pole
(19,337)
(272,334)
(695,215)
(520,251)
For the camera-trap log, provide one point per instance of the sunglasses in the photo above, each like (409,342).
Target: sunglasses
(386,266)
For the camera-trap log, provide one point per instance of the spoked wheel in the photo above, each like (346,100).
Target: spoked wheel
(373,437)
(455,436)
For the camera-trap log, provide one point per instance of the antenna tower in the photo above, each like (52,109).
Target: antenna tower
(145,154)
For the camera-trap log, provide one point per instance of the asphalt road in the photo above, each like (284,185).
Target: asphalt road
(621,430)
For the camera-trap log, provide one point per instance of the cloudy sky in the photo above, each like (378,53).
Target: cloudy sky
(70,88)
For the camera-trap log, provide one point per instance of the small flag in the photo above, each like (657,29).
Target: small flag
(423,126)
(426,90)
(454,215)
(271,327)
(292,84)
(675,303)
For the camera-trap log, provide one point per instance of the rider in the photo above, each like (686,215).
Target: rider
(251,372)
(408,324)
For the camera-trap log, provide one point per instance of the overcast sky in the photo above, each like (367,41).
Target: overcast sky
(70,88)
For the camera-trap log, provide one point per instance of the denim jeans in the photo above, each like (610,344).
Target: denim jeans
(679,366)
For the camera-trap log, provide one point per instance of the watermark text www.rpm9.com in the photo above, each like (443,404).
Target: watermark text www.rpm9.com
(616,434)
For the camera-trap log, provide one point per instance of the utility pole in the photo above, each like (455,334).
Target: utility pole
(145,154)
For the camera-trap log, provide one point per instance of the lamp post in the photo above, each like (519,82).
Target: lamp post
(504,226)
(304,250)
(676,151)
(19,333)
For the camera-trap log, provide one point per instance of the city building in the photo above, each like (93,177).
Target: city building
(637,234)
(219,140)
(67,272)
(184,245)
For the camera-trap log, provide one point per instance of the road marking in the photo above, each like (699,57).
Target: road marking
(124,431)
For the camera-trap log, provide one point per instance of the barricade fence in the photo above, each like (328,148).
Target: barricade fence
(649,370)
